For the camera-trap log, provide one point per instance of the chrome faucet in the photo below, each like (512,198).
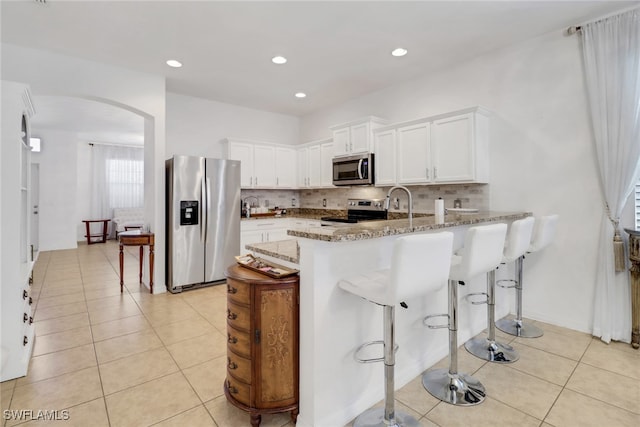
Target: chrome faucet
(387,202)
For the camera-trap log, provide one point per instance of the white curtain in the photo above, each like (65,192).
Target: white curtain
(118,179)
(611,49)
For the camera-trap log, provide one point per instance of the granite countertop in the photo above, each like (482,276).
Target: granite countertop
(375,229)
(301,213)
(287,250)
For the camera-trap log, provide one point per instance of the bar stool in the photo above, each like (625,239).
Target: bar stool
(482,252)
(488,348)
(543,232)
(419,265)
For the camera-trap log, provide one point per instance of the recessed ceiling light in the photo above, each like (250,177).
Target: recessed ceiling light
(399,52)
(301,95)
(173,63)
(279,60)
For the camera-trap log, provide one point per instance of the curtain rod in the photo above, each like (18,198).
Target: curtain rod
(578,28)
(115,145)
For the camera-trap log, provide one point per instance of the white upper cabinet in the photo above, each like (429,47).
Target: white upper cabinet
(285,167)
(263,165)
(460,149)
(414,159)
(315,164)
(448,148)
(356,136)
(385,157)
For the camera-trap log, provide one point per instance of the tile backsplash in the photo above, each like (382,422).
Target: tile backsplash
(424,196)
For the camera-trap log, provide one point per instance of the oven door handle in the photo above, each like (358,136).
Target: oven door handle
(360,173)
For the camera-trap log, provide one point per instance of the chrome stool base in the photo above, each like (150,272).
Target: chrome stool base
(375,418)
(491,350)
(524,330)
(457,389)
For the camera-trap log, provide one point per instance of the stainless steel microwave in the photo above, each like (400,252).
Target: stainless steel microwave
(354,170)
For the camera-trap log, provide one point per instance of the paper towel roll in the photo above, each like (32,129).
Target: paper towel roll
(439,207)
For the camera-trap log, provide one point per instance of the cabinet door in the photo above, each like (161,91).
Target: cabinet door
(326,164)
(414,165)
(277,234)
(303,167)
(276,339)
(264,166)
(360,138)
(341,140)
(315,168)
(385,157)
(285,167)
(243,152)
(249,237)
(453,149)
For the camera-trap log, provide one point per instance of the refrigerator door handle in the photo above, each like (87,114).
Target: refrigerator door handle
(203,212)
(208,209)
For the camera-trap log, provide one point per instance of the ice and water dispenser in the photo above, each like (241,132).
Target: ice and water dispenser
(189,212)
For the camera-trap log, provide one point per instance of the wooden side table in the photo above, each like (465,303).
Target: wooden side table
(634,257)
(137,238)
(100,237)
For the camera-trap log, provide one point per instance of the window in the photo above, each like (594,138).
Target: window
(125,183)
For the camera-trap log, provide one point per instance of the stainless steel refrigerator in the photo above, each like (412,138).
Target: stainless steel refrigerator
(202,220)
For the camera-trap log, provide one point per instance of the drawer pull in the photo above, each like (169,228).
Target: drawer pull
(231,289)
(30,319)
(25,294)
(231,340)
(25,340)
(30,300)
(231,365)
(231,315)
(231,389)
(25,318)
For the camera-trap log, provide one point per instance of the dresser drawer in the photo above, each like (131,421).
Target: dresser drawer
(238,390)
(238,292)
(239,342)
(238,316)
(239,367)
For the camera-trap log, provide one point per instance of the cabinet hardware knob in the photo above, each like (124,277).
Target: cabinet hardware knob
(25,340)
(231,340)
(231,315)
(25,294)
(231,365)
(25,317)
(30,319)
(230,388)
(30,300)
(231,289)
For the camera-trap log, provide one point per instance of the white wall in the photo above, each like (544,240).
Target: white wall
(58,190)
(144,94)
(542,155)
(196,126)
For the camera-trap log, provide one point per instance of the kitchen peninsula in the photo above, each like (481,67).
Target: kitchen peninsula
(333,387)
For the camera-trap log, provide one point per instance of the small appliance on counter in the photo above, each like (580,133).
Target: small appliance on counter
(359,210)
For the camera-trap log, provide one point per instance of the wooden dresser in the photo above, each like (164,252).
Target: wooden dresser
(262,349)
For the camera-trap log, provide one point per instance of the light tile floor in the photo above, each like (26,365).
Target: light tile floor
(137,360)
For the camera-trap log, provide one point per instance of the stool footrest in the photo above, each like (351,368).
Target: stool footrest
(469,297)
(372,360)
(515,283)
(425,321)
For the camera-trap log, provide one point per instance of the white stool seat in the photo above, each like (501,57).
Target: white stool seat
(370,286)
(419,265)
(518,240)
(482,251)
(542,234)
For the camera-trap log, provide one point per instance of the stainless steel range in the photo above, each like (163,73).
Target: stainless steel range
(359,210)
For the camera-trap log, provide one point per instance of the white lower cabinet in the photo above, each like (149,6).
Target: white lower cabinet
(262,231)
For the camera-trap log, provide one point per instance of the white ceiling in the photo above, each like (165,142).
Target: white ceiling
(337,50)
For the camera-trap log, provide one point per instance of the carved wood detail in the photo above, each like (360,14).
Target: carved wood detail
(634,257)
